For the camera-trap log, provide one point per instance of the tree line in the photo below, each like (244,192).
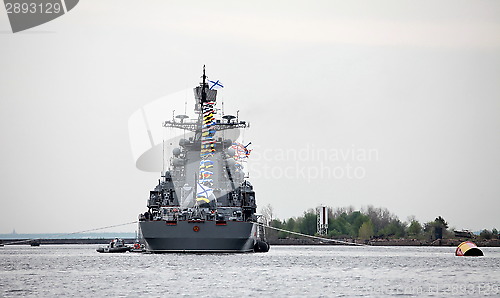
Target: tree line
(368,223)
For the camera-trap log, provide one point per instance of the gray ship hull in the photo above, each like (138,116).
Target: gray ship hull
(187,236)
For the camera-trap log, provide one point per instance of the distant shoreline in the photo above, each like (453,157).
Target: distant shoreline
(389,242)
(24,241)
(289,241)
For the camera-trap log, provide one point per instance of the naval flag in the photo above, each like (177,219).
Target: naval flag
(215,84)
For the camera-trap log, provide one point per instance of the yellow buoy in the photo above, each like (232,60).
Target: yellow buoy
(468,248)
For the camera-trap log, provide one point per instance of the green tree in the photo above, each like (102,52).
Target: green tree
(434,229)
(395,228)
(415,228)
(291,225)
(307,224)
(274,234)
(380,217)
(366,230)
(356,220)
(485,234)
(494,233)
(339,226)
(441,222)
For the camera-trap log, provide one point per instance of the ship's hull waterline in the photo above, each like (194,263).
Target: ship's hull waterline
(198,236)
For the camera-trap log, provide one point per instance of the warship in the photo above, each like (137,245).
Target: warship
(203,202)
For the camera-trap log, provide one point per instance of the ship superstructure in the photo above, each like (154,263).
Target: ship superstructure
(203,202)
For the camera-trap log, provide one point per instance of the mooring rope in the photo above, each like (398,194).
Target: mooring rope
(309,236)
(72,233)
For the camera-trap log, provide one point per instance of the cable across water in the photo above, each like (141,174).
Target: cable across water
(309,236)
(72,233)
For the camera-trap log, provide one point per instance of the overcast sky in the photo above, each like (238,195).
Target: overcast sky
(404,94)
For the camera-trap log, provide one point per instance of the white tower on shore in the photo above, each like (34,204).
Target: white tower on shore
(322,216)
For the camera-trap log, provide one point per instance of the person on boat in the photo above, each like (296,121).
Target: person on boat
(114,243)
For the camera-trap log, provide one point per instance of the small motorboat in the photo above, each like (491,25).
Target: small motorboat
(138,247)
(115,246)
(35,242)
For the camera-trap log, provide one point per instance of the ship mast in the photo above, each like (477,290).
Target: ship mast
(204,129)
(207,138)
(203,98)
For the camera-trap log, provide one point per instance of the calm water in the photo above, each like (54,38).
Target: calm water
(328,271)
